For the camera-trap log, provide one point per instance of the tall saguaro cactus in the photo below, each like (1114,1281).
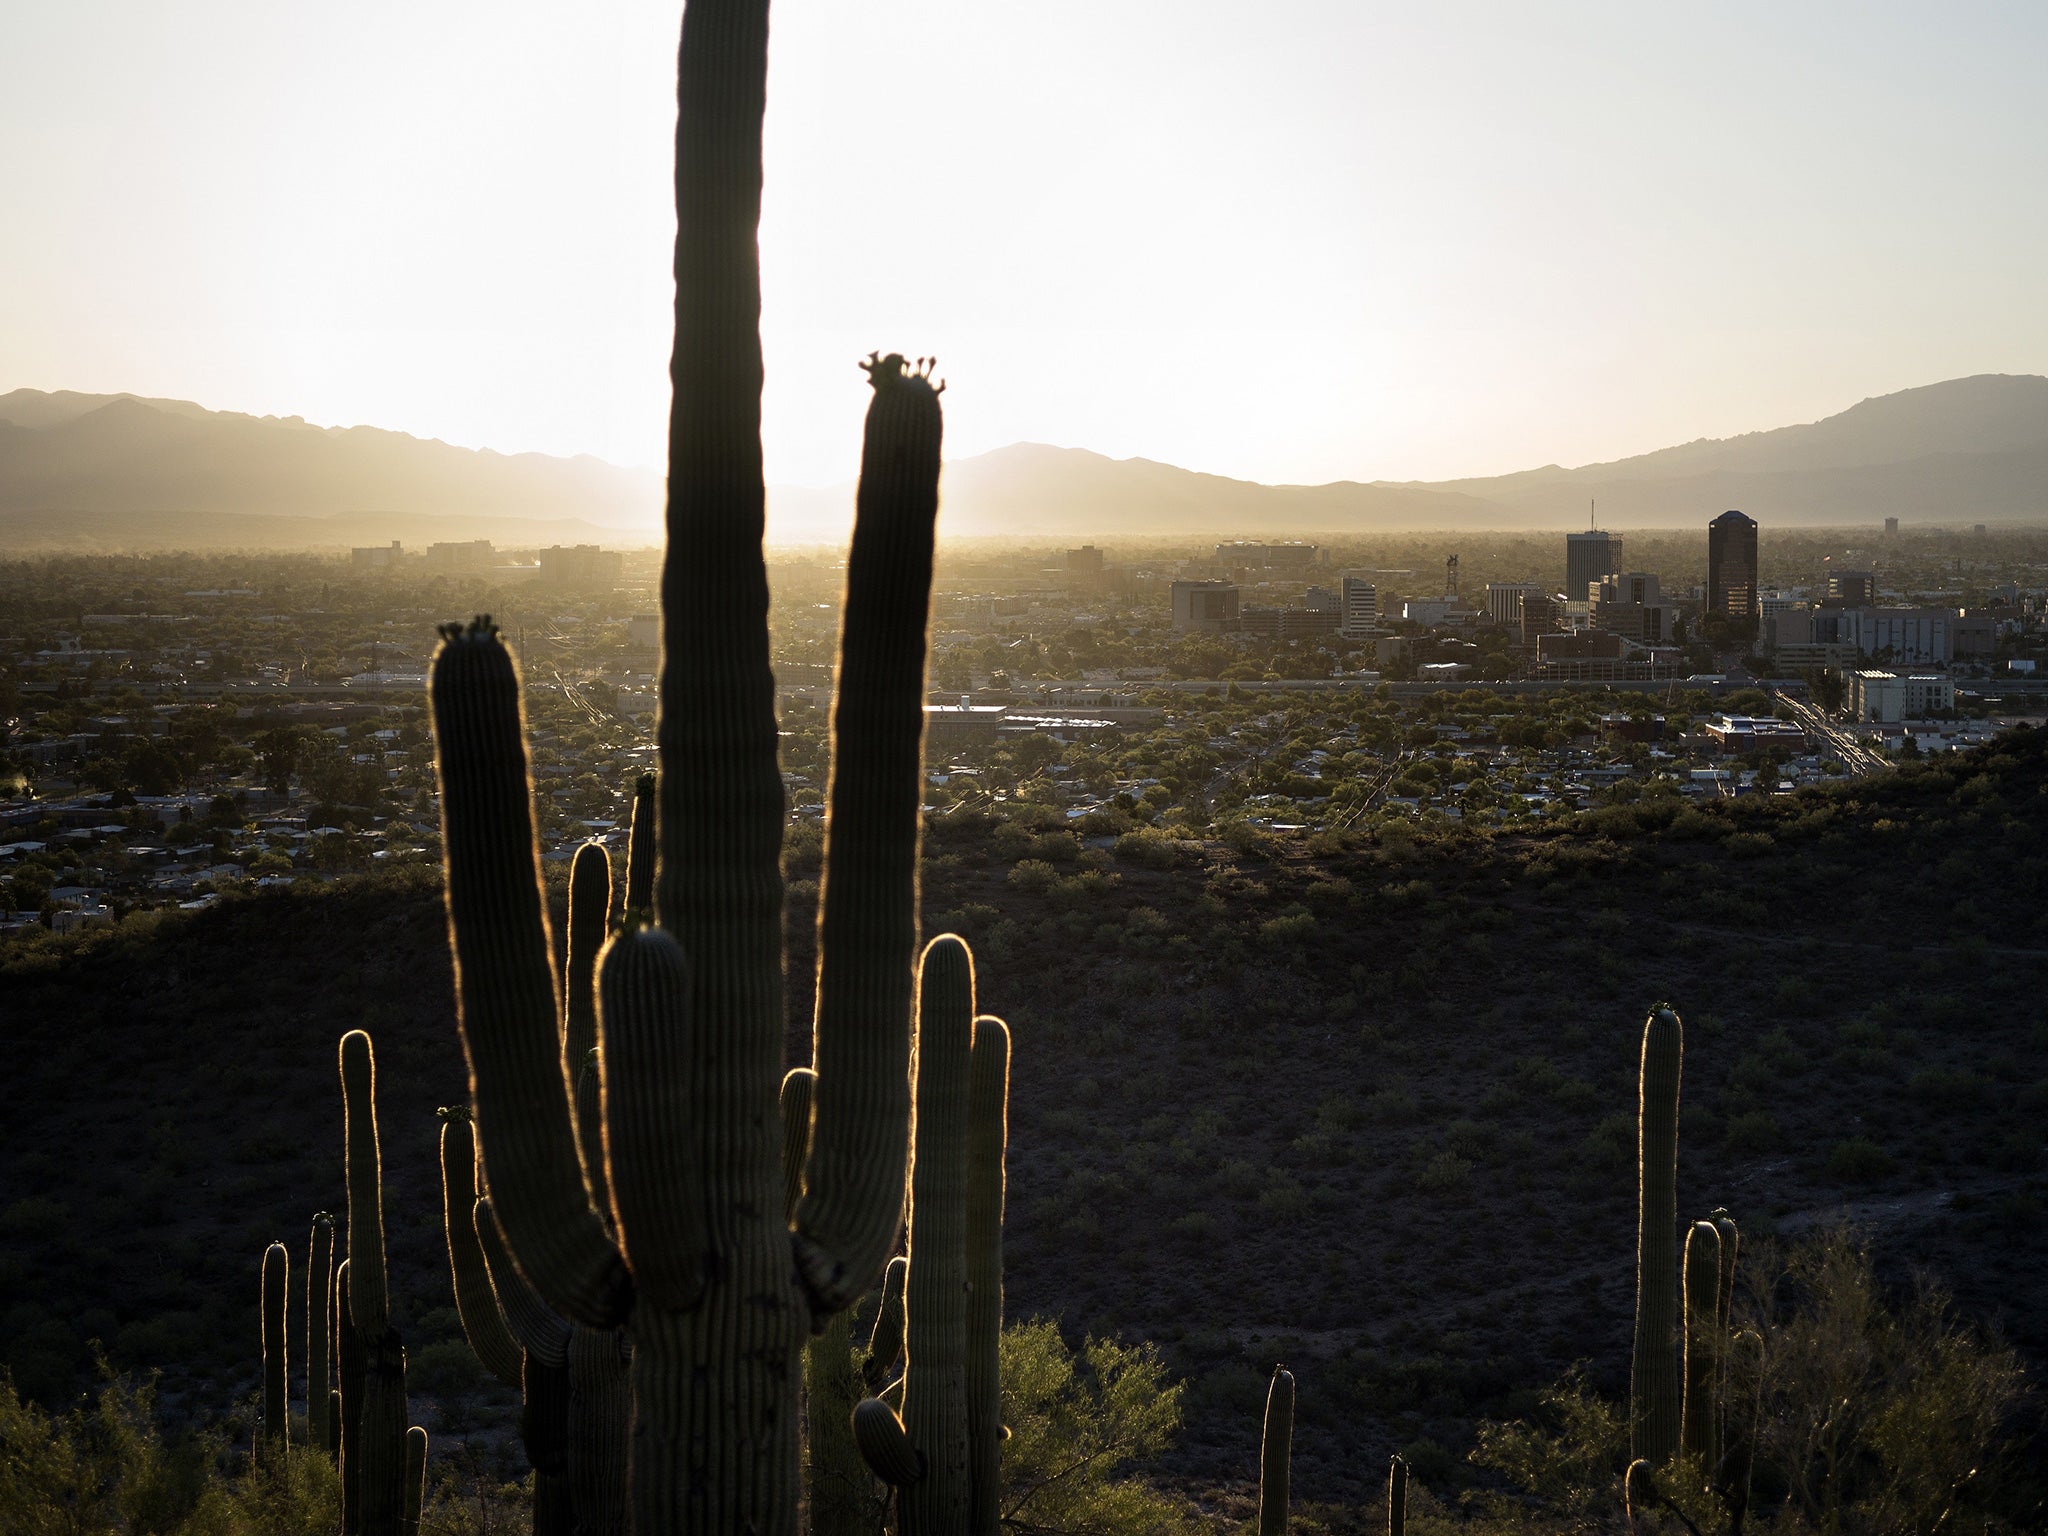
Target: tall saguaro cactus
(988,1108)
(1397,1496)
(1700,1413)
(1655,1397)
(378,1468)
(719,1289)
(1276,1452)
(276,1287)
(319,1329)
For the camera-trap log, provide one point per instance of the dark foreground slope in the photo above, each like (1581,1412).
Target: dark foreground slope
(1364,1108)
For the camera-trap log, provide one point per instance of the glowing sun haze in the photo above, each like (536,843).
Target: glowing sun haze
(1295,241)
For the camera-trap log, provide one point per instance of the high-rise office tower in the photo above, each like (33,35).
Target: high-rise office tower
(1358,606)
(1587,557)
(1731,566)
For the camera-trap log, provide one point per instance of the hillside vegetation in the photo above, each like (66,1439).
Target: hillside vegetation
(1365,1106)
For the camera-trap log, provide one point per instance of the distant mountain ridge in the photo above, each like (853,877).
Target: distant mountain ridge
(113,471)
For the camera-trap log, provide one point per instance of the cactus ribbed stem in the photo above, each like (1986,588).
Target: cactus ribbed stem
(600,1417)
(867,908)
(319,1329)
(505,991)
(1655,1395)
(476,1304)
(988,1103)
(379,1467)
(334,1424)
(935,1291)
(590,909)
(276,1286)
(1276,1448)
(799,1089)
(885,1340)
(1702,1342)
(348,1354)
(1397,1496)
(369,1303)
(415,1480)
(640,849)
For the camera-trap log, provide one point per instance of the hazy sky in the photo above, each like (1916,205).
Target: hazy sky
(1292,241)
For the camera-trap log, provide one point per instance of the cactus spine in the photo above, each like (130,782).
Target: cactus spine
(1655,1398)
(988,1101)
(319,1329)
(1702,1342)
(1397,1496)
(276,1286)
(379,1464)
(1276,1447)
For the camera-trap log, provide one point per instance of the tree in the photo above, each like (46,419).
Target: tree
(280,749)
(1075,1421)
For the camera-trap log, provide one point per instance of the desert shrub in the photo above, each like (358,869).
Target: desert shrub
(1034,876)
(1752,1132)
(1859,1160)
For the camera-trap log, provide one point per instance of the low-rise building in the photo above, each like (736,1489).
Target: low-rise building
(1884,698)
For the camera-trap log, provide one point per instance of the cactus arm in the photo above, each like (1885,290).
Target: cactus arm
(640,849)
(476,1304)
(540,1332)
(884,1446)
(276,1286)
(935,1292)
(1276,1449)
(1397,1496)
(1655,1397)
(647,1081)
(590,1121)
(368,1298)
(867,923)
(505,983)
(987,1118)
(544,1428)
(319,1328)
(590,907)
(799,1088)
(1702,1341)
(885,1342)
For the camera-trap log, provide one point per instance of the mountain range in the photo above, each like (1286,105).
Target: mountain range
(121,471)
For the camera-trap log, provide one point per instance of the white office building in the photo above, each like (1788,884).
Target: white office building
(1359,607)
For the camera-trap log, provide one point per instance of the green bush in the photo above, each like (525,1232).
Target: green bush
(1859,1160)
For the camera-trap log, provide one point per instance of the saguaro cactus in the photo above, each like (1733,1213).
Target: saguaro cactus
(720,1291)
(415,1480)
(277,1265)
(988,1108)
(885,1339)
(378,1468)
(640,849)
(1702,1343)
(1655,1398)
(349,1364)
(930,1441)
(1276,1450)
(319,1329)
(1397,1496)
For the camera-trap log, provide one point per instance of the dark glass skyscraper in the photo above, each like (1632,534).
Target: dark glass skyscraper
(1587,557)
(1731,566)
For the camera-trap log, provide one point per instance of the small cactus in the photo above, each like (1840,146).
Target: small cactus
(1397,1496)
(1276,1450)
(1655,1394)
(885,1339)
(276,1286)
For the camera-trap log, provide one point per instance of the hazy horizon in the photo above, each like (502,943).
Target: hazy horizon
(1334,245)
